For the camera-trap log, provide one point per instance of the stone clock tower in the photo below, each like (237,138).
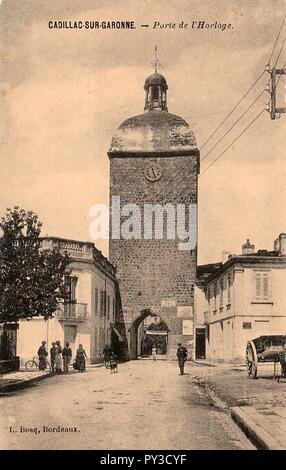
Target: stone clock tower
(154,160)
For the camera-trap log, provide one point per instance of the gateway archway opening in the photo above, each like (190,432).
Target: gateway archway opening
(147,331)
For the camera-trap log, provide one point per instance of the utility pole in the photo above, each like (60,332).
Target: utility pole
(271,107)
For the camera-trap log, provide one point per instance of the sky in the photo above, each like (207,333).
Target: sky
(64,92)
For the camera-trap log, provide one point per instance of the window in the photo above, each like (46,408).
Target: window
(228,288)
(155,92)
(208,294)
(215,294)
(261,286)
(113,310)
(108,307)
(102,303)
(101,338)
(96,300)
(70,289)
(221,293)
(246,325)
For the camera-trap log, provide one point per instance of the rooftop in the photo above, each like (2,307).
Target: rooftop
(155,130)
(277,257)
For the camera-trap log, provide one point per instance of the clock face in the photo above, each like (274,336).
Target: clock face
(153,172)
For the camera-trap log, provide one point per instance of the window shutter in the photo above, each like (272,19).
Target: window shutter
(265,286)
(108,307)
(258,290)
(96,300)
(228,288)
(261,286)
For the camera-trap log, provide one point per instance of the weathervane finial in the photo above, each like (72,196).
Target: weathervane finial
(156,62)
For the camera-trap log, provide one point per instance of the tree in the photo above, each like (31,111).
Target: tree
(31,278)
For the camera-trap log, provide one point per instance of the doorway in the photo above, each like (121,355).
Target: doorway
(145,336)
(200,343)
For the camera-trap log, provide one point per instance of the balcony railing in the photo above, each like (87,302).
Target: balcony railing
(72,311)
(75,249)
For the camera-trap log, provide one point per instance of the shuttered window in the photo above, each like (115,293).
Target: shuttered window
(96,300)
(108,307)
(262,286)
(102,303)
(221,293)
(228,288)
(215,294)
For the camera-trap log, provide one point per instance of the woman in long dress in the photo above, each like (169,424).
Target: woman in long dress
(80,358)
(58,358)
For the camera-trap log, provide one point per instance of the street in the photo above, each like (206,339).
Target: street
(146,405)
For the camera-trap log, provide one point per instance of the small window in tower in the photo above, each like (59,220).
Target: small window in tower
(155,92)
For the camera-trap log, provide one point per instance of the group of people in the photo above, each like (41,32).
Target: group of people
(61,357)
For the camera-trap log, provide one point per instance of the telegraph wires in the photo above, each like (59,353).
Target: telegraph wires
(169,193)
(241,133)
(253,85)
(281,48)
(231,112)
(233,109)
(236,122)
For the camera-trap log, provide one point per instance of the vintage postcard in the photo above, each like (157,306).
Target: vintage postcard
(142,227)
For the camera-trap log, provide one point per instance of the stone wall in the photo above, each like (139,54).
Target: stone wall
(154,274)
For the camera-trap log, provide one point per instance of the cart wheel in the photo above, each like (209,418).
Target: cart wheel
(251,360)
(253,371)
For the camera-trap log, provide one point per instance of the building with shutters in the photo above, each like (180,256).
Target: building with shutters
(239,299)
(88,316)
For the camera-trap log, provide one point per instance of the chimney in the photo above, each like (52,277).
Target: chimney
(276,245)
(247,248)
(225,255)
(282,242)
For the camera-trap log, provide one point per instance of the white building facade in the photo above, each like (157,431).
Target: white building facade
(238,300)
(89,314)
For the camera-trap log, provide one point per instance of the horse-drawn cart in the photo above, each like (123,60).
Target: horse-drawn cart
(262,351)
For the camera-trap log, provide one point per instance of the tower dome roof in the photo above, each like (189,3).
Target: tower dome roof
(155,130)
(155,79)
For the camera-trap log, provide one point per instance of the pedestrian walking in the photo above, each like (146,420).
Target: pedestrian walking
(182,354)
(154,354)
(53,356)
(58,358)
(67,355)
(80,359)
(42,353)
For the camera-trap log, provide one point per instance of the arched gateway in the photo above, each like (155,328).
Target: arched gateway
(144,337)
(154,160)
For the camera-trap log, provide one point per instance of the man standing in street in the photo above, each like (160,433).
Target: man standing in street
(42,353)
(53,356)
(67,355)
(182,354)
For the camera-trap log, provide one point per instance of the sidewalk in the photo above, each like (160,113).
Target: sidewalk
(18,380)
(257,406)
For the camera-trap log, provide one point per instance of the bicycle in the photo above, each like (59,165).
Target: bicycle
(33,364)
